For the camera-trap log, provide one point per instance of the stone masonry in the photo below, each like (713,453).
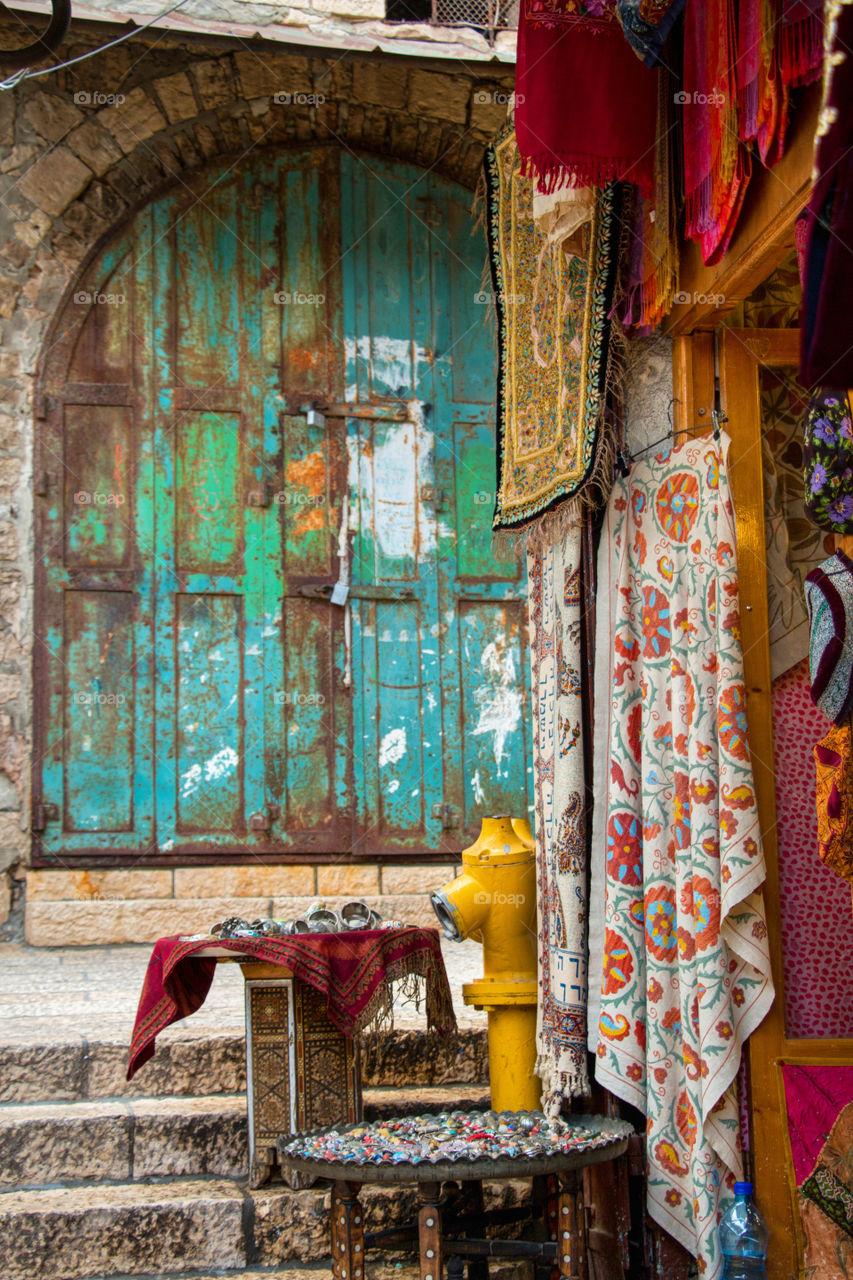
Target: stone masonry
(81,149)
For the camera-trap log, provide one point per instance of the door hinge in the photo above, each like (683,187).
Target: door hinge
(42,484)
(43,813)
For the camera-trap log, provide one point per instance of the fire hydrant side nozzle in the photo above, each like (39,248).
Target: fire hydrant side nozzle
(493,901)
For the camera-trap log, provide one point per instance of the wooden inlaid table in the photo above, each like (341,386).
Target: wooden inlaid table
(307,997)
(451,1218)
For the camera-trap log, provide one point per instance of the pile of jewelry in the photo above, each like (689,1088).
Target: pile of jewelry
(319,918)
(453,1136)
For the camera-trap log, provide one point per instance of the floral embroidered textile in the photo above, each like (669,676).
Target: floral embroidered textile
(685,971)
(553,336)
(554,603)
(828,461)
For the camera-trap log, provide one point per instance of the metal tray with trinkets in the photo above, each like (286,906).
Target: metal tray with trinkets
(446,1146)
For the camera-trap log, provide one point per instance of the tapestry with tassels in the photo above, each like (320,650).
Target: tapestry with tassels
(553,337)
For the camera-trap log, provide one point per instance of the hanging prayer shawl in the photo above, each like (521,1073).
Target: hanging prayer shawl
(826,335)
(780,46)
(653,276)
(647,25)
(716,166)
(585,106)
(554,603)
(686,969)
(820,1130)
(553,333)
(801,41)
(762,94)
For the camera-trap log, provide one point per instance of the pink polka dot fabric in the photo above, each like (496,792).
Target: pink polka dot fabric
(817,925)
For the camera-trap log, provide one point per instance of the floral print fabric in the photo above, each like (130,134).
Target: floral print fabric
(829,462)
(686,969)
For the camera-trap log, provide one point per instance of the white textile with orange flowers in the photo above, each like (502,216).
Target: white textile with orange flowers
(677,859)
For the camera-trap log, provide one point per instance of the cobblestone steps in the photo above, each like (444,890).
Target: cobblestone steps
(102,1179)
(192,1065)
(170,1228)
(134,1139)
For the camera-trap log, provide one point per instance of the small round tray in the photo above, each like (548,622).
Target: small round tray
(596,1151)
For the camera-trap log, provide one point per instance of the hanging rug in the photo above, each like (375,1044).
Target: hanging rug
(553,332)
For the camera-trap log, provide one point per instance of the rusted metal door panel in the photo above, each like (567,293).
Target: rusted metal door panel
(215,568)
(198,692)
(92,658)
(440,712)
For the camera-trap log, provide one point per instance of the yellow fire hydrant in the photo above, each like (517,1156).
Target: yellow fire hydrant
(493,901)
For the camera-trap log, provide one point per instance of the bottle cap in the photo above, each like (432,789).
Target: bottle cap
(743,1188)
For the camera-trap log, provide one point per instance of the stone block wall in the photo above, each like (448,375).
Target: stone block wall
(79,150)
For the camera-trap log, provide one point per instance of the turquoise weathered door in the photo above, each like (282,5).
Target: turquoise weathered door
(290,389)
(438,629)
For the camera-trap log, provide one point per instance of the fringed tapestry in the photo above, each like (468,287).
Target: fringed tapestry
(685,973)
(554,603)
(553,336)
(819,1100)
(585,106)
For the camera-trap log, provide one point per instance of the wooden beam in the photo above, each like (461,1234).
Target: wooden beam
(764,235)
(693,382)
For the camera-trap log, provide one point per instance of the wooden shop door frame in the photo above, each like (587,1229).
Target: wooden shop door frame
(741,354)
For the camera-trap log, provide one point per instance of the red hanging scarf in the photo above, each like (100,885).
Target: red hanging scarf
(585,105)
(716,165)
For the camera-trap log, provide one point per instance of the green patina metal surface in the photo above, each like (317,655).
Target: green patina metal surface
(198,692)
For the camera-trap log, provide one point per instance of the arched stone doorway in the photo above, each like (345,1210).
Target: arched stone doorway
(275,382)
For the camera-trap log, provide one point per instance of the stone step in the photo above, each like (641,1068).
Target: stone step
(168,1228)
(134,1139)
(72,1233)
(75,1070)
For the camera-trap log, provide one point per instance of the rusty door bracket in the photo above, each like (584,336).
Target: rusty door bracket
(264,820)
(43,813)
(447,814)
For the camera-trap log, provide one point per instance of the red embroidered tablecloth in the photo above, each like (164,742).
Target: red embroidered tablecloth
(353,970)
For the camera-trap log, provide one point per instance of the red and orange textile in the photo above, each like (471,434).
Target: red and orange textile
(586,106)
(762,93)
(653,274)
(676,850)
(819,1103)
(717,166)
(354,971)
(780,46)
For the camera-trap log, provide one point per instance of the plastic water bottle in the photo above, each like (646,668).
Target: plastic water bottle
(743,1238)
